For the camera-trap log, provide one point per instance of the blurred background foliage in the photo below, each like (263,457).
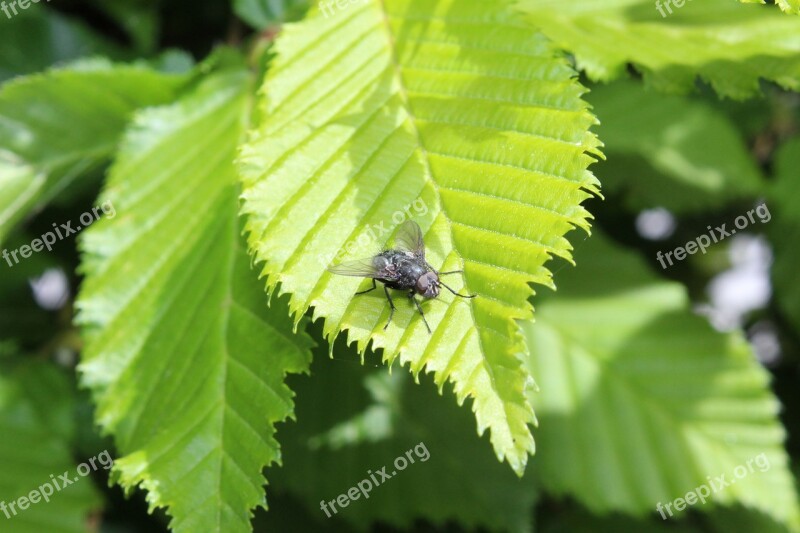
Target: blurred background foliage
(675,164)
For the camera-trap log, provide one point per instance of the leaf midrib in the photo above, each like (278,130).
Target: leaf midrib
(424,157)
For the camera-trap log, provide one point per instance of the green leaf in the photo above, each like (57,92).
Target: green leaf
(787,6)
(642,401)
(368,427)
(452,113)
(670,151)
(185,362)
(729,45)
(784,231)
(52,140)
(37,421)
(262,14)
(38,38)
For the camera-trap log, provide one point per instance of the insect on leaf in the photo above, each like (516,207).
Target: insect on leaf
(454,114)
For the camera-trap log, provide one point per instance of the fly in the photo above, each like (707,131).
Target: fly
(402,268)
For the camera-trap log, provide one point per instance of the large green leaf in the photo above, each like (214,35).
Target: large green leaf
(784,231)
(642,401)
(37,423)
(725,43)
(50,139)
(452,113)
(670,151)
(185,361)
(368,428)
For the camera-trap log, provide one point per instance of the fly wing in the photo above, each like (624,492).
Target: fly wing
(369,267)
(409,239)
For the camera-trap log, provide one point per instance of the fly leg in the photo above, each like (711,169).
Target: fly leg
(391,305)
(445,286)
(419,308)
(457,294)
(366,291)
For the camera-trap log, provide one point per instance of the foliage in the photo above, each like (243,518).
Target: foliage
(36,407)
(693,154)
(174,363)
(726,45)
(786,230)
(348,160)
(678,408)
(221,182)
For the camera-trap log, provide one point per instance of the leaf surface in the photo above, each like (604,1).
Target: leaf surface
(51,140)
(729,45)
(670,151)
(451,113)
(662,402)
(185,361)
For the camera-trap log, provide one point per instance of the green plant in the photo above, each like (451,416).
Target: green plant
(218,192)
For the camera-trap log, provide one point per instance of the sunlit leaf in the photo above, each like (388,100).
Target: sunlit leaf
(52,140)
(454,114)
(729,45)
(643,402)
(185,361)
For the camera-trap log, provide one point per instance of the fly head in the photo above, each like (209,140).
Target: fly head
(428,285)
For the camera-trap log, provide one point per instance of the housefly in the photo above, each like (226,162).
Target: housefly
(402,268)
